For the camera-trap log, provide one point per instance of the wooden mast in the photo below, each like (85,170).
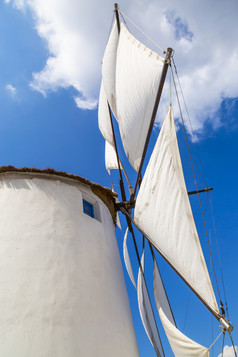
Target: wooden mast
(157,100)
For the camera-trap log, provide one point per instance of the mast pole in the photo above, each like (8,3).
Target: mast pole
(117,17)
(122,188)
(217,315)
(157,100)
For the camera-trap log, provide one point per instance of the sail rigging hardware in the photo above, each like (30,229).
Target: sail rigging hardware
(128,205)
(222,308)
(226,324)
(206,189)
(157,100)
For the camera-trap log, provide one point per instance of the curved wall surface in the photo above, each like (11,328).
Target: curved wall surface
(62,291)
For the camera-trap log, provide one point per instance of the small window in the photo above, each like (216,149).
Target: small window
(88,208)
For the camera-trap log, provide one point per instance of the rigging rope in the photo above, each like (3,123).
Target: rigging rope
(138,28)
(215,340)
(190,123)
(204,178)
(186,313)
(212,335)
(223,342)
(219,257)
(155,262)
(190,156)
(233,345)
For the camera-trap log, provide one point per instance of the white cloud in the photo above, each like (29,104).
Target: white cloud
(86,104)
(204,40)
(229,351)
(11,90)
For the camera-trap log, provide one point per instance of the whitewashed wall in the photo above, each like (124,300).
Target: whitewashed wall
(62,291)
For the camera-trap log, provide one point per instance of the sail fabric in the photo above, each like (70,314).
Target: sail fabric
(146,312)
(160,295)
(181,345)
(110,157)
(118,222)
(109,68)
(104,121)
(163,212)
(131,74)
(127,259)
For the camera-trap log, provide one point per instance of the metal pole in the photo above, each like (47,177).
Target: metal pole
(157,100)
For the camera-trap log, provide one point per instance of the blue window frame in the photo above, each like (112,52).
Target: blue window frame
(88,208)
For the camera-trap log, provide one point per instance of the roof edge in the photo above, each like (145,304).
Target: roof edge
(104,193)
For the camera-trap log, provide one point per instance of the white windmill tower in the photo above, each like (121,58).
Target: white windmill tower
(62,291)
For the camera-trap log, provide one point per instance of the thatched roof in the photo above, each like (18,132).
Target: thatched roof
(104,193)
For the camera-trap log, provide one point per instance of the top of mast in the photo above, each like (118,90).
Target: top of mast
(117,17)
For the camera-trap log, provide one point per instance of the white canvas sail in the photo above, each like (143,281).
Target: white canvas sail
(118,222)
(146,312)
(127,259)
(109,68)
(131,74)
(163,211)
(181,345)
(104,121)
(110,157)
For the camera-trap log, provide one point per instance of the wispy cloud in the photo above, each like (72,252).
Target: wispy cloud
(228,351)
(181,28)
(86,104)
(206,58)
(11,90)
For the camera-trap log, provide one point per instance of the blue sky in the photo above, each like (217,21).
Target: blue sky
(50,55)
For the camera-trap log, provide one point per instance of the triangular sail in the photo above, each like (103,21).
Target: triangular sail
(131,74)
(181,345)
(146,312)
(127,259)
(163,211)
